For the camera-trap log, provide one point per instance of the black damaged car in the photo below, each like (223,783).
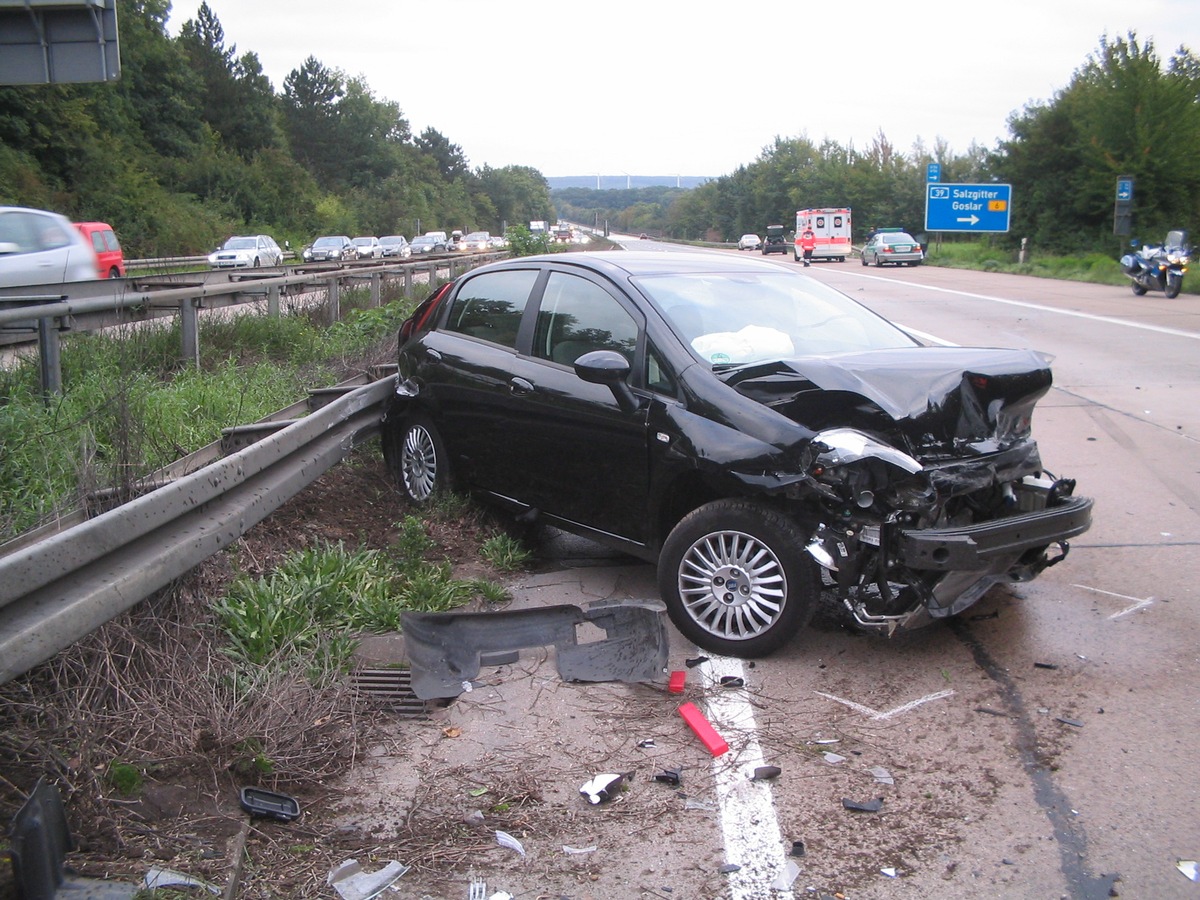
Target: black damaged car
(756,434)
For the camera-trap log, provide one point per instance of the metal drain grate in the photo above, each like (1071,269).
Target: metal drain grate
(394,687)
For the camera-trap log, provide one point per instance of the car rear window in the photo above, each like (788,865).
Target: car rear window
(490,306)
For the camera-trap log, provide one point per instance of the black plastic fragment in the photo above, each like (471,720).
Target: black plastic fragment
(1075,722)
(732,681)
(798,848)
(269,804)
(1041,665)
(863,805)
(729,868)
(672,777)
(695,661)
(765,773)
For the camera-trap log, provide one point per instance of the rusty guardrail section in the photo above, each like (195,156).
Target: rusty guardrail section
(56,590)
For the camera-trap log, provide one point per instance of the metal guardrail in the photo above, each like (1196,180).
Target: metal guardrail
(56,590)
(108,302)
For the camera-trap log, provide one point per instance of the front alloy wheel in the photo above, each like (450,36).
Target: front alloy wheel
(735,578)
(423,469)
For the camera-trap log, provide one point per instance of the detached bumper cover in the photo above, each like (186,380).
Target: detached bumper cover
(977,548)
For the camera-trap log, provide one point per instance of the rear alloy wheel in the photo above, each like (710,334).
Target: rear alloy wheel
(736,580)
(420,464)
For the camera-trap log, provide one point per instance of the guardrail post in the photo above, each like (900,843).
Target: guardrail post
(334,299)
(273,301)
(376,284)
(50,357)
(189,330)
(408,281)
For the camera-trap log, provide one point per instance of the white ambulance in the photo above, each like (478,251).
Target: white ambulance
(832,228)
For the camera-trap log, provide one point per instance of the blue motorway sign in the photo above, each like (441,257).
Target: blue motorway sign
(1124,188)
(967,207)
(933,172)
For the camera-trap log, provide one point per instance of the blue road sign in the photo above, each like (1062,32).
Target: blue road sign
(933,172)
(967,207)
(1124,188)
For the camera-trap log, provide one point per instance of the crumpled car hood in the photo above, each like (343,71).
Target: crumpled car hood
(948,393)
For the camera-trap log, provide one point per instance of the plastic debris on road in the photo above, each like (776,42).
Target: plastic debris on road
(882,775)
(504,839)
(863,805)
(602,788)
(833,758)
(1190,868)
(787,877)
(352,883)
(713,742)
(766,773)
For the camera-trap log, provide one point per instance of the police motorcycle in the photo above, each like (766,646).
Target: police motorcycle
(1158,268)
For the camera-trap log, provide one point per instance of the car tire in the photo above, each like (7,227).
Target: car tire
(416,455)
(864,260)
(718,543)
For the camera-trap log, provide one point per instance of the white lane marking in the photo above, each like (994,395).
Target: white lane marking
(1138,602)
(749,826)
(1176,332)
(881,716)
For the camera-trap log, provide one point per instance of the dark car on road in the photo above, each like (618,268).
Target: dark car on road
(776,241)
(758,435)
(330,247)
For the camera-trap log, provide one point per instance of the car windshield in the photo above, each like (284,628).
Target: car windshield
(898,237)
(391,240)
(477,236)
(362,242)
(240,243)
(736,319)
(328,242)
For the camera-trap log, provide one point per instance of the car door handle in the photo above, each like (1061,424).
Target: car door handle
(520,386)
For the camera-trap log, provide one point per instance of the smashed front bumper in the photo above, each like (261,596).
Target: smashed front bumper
(976,548)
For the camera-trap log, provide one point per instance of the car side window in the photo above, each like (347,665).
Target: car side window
(577,316)
(658,376)
(490,306)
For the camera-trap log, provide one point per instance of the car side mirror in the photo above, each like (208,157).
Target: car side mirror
(611,369)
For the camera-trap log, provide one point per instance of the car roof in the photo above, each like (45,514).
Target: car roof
(632,263)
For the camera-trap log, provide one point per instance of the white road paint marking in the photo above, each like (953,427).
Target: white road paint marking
(749,826)
(877,715)
(1110,320)
(1138,602)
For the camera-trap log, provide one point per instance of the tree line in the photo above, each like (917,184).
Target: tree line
(193,144)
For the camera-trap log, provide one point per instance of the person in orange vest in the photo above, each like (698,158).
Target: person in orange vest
(808,243)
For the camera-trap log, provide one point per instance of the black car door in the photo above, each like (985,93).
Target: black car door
(583,459)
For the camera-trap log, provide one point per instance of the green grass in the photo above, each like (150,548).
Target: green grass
(129,406)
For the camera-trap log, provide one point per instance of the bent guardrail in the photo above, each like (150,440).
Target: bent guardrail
(57,590)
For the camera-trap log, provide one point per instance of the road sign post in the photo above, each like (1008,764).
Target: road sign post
(1123,206)
(972,208)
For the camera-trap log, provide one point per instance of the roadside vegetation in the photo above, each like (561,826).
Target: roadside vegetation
(240,672)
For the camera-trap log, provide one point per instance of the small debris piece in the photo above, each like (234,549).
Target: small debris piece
(797,848)
(790,873)
(828,741)
(501,895)
(732,681)
(889,871)
(269,804)
(669,776)
(1038,665)
(713,742)
(352,883)
(575,850)
(474,817)
(882,775)
(863,806)
(156,878)
(729,868)
(994,614)
(703,805)
(766,773)
(675,685)
(833,758)
(504,839)
(992,712)
(695,661)
(1190,868)
(1066,721)
(602,788)
(646,744)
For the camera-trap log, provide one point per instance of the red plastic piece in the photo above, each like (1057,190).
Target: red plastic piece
(675,686)
(713,742)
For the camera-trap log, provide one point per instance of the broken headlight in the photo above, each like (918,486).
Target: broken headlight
(855,468)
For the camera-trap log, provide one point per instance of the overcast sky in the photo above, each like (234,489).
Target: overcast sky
(695,87)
